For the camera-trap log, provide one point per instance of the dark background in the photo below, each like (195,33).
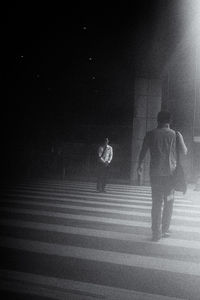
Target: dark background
(70,69)
(50,75)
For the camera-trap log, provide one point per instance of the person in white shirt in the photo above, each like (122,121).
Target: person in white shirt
(104,155)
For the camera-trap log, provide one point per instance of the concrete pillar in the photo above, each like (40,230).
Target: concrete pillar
(147,103)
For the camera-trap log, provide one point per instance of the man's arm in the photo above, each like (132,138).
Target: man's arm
(100,151)
(144,149)
(182,146)
(110,155)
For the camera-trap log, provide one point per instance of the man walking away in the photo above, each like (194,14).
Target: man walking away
(161,142)
(105,155)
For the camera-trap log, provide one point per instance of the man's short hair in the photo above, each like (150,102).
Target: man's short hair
(164,116)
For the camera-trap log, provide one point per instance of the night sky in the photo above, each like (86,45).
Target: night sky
(69,65)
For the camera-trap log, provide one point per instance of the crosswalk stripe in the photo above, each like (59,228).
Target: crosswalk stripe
(146,207)
(87,187)
(98,233)
(128,195)
(103,210)
(91,192)
(92,186)
(88,193)
(83,184)
(63,221)
(125,259)
(94,219)
(96,197)
(26,289)
(111,293)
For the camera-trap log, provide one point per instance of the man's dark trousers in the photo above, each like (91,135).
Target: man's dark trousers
(162,191)
(102,175)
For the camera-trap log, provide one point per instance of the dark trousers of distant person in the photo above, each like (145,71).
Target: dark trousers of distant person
(102,175)
(162,204)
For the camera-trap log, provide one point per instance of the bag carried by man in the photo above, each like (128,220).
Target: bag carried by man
(179,180)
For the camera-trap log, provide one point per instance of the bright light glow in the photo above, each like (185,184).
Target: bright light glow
(191,15)
(189,48)
(191,10)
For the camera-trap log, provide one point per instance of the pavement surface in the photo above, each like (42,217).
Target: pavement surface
(193,194)
(63,240)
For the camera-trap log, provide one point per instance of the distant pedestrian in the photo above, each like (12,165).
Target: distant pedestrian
(104,158)
(161,142)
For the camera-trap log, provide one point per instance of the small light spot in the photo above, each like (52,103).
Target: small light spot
(90,58)
(93,77)
(22,56)
(37,75)
(84,27)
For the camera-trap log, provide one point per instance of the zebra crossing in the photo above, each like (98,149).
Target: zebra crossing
(62,240)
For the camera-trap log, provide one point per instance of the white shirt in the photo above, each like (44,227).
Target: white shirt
(162,145)
(107,155)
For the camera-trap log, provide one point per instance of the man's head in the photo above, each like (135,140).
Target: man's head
(164,117)
(106,141)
